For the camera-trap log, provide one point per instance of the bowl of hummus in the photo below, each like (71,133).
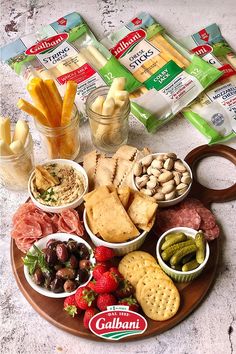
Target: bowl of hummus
(58,185)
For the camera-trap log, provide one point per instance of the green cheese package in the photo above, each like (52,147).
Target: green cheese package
(213,113)
(171,76)
(66,50)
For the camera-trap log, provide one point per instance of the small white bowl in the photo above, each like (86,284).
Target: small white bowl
(120,249)
(177,275)
(168,203)
(42,244)
(76,202)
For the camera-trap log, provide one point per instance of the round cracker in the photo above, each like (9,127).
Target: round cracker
(133,266)
(160,300)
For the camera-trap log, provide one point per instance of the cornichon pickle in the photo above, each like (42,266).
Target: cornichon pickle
(190,265)
(178,237)
(173,234)
(188,258)
(176,258)
(168,253)
(201,247)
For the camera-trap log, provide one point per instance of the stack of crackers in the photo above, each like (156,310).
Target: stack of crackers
(154,290)
(103,170)
(118,214)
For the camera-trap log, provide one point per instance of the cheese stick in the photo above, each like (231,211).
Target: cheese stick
(4,149)
(118,84)
(99,57)
(108,107)
(91,59)
(56,100)
(21,131)
(17,147)
(5,129)
(68,102)
(33,111)
(77,61)
(36,94)
(63,67)
(98,104)
(121,95)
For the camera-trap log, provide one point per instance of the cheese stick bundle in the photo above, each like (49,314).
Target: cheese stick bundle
(66,50)
(213,113)
(172,76)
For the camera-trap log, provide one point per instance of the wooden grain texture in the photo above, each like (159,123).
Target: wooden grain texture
(191,293)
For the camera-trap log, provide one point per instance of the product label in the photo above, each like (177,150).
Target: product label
(163,76)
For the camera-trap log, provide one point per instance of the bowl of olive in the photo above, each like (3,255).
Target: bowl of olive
(58,264)
(182,253)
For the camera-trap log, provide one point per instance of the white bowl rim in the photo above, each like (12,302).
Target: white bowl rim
(118,244)
(43,240)
(189,232)
(162,202)
(74,164)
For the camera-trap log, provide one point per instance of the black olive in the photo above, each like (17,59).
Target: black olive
(57,285)
(48,279)
(38,277)
(58,266)
(50,242)
(51,256)
(84,264)
(83,251)
(62,252)
(70,286)
(73,262)
(72,246)
(82,276)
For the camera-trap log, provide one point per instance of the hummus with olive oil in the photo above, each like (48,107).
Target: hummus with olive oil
(69,187)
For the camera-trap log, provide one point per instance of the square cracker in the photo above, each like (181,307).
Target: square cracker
(126,152)
(142,211)
(112,220)
(124,194)
(105,171)
(122,169)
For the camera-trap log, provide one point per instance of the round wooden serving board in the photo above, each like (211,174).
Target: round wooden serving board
(191,293)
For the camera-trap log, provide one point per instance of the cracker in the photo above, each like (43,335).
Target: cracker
(126,152)
(89,164)
(160,300)
(105,171)
(112,220)
(124,194)
(122,169)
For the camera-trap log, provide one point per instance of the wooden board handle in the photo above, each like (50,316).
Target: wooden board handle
(211,195)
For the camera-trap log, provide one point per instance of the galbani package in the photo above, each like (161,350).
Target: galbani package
(66,50)
(213,113)
(171,76)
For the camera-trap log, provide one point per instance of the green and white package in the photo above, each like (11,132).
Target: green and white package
(213,113)
(171,76)
(66,50)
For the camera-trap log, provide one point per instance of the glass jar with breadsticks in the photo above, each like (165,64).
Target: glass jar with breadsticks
(56,119)
(108,111)
(16,154)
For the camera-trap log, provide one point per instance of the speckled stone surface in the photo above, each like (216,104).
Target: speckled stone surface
(211,328)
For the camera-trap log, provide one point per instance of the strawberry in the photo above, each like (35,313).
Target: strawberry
(99,269)
(107,283)
(89,313)
(85,298)
(91,284)
(105,300)
(115,271)
(103,253)
(70,306)
(131,302)
(124,289)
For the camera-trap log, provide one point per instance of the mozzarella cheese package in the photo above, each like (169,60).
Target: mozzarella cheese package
(171,76)
(66,50)
(213,113)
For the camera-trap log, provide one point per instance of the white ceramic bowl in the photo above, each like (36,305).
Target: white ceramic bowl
(177,275)
(42,244)
(120,249)
(168,203)
(76,202)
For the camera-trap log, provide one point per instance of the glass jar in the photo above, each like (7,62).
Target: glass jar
(61,142)
(108,133)
(15,170)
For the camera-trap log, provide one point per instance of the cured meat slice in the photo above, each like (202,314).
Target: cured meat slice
(69,222)
(24,209)
(188,218)
(213,233)
(29,227)
(190,203)
(208,220)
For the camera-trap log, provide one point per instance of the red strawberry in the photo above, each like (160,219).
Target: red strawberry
(70,306)
(91,284)
(124,289)
(103,253)
(105,300)
(107,283)
(99,269)
(89,313)
(115,271)
(85,298)
(131,302)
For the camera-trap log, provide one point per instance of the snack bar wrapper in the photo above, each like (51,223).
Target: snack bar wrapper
(171,76)
(213,113)
(66,50)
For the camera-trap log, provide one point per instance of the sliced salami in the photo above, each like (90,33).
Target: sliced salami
(69,221)
(190,203)
(213,233)
(188,218)
(208,220)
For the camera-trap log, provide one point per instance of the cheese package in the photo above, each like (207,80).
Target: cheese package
(66,50)
(213,113)
(171,76)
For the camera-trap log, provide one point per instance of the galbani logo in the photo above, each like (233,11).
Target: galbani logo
(117,322)
(202,50)
(47,44)
(128,41)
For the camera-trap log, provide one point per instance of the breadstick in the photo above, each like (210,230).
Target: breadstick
(5,129)
(68,102)
(33,111)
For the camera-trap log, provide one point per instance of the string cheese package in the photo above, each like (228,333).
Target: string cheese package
(171,76)
(213,113)
(66,50)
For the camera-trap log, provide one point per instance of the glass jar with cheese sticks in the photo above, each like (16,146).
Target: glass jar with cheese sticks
(16,154)
(108,111)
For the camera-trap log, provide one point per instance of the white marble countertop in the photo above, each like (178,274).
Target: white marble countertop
(210,328)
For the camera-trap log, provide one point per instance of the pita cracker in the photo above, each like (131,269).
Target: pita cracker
(124,194)
(105,171)
(126,152)
(122,169)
